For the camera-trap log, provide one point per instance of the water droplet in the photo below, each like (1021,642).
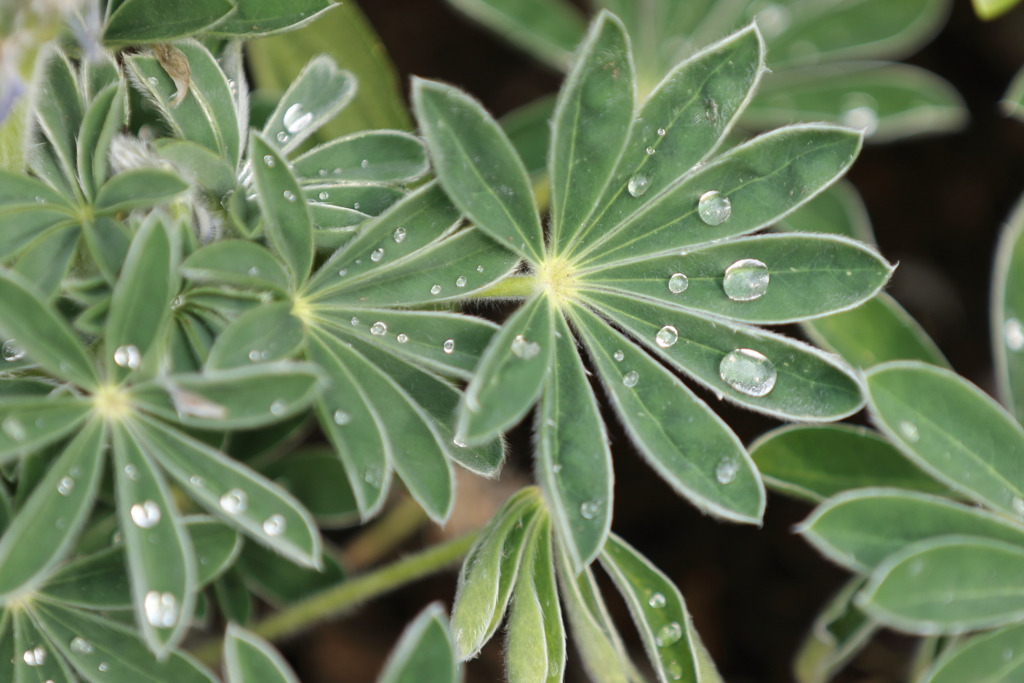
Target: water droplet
(666,337)
(1018,505)
(459,442)
(618,355)
(650,150)
(13,428)
(590,509)
(234,501)
(35,657)
(161,609)
(714,208)
(638,184)
(341,417)
(355,205)
(364,163)
(178,302)
(435,290)
(197,481)
(448,346)
(269,161)
(674,671)
(678,283)
(1013,332)
(354,320)
(479,269)
(153,80)
(661,132)
(254,355)
(772,20)
(131,472)
(909,430)
(13,352)
(669,634)
(726,471)
(399,235)
(254,271)
(746,280)
(862,118)
(524,349)
(81,646)
(324,196)
(103,667)
(748,372)
(278,407)
(377,255)
(342,273)
(296,119)
(146,515)
(40,199)
(378,328)
(128,356)
(631,378)
(66,486)
(274,525)
(1007,654)
(289,195)
(656,601)
(374,476)
(402,338)
(556,468)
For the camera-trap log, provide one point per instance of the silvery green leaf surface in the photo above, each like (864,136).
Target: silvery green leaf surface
(319,92)
(103,119)
(425,653)
(951,429)
(839,210)
(839,632)
(59,109)
(233,597)
(33,668)
(995,656)
(279,581)
(147,21)
(263,17)
(317,478)
(947,584)
(383,156)
(251,659)
(1006,313)
(138,187)
(262,334)
(212,172)
(240,263)
(28,423)
(98,582)
(47,261)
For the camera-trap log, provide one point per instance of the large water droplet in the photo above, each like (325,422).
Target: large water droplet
(234,501)
(296,119)
(269,161)
(378,328)
(274,525)
(746,280)
(35,657)
(1013,332)
(449,346)
(13,428)
(714,207)
(128,356)
(161,609)
(618,355)
(12,352)
(726,471)
(631,378)
(667,336)
(909,430)
(460,281)
(748,372)
(65,486)
(341,417)
(669,634)
(435,290)
(656,601)
(376,255)
(524,349)
(81,646)
(638,184)
(678,283)
(590,509)
(146,515)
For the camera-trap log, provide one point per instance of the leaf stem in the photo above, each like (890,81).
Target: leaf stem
(339,599)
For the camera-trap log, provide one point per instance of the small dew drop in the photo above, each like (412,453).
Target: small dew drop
(435,290)
(13,428)
(669,634)
(81,646)
(650,150)
(66,486)
(402,338)
(161,609)
(278,407)
(631,378)
(590,509)
(269,161)
(274,525)
(748,372)
(460,281)
(131,472)
(661,132)
(324,196)
(342,273)
(197,481)
(374,476)
(638,184)
(254,355)
(714,208)
(656,601)
(521,348)
(667,336)
(479,269)
(146,515)
(449,346)
(282,136)
(289,195)
(354,320)
(341,417)
(678,283)
(103,667)
(459,442)
(618,355)
(556,468)
(153,80)
(746,280)
(1007,654)
(909,431)
(364,163)
(1013,332)
(128,356)
(254,271)
(234,501)
(1018,505)
(12,352)
(35,657)
(378,328)
(296,119)
(399,235)
(726,471)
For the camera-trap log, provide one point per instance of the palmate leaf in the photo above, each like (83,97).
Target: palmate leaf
(625,200)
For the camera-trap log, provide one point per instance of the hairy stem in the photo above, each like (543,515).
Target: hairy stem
(339,599)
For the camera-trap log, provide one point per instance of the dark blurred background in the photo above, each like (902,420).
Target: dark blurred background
(937,206)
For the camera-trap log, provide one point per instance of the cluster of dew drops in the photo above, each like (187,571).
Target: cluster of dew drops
(668,635)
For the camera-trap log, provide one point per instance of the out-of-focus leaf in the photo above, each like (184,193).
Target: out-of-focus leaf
(839,210)
(239,263)
(251,659)
(29,423)
(317,478)
(233,596)
(103,119)
(996,656)
(280,581)
(262,17)
(148,21)
(425,652)
(58,108)
(217,547)
(1013,100)
(839,632)
(316,95)
(384,156)
(263,334)
(138,187)
(529,130)
(1007,311)
(31,666)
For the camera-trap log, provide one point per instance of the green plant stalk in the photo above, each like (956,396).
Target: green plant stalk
(373,544)
(343,597)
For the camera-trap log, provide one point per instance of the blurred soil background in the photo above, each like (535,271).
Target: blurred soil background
(937,205)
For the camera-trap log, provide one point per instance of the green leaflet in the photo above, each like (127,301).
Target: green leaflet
(858,529)
(237,262)
(146,21)
(58,108)
(29,423)
(317,478)
(478,167)
(30,666)
(50,519)
(839,632)
(489,572)
(216,546)
(686,443)
(21,226)
(262,334)
(47,260)
(200,164)
(319,92)
(279,581)
(950,429)
(839,210)
(1007,310)
(98,581)
(995,657)
(138,187)
(161,559)
(947,584)
(233,596)
(815,462)
(382,156)
(263,17)
(1013,100)
(103,119)
(251,659)
(425,652)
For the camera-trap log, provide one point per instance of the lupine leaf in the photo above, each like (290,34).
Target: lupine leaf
(546,586)
(108,240)
(250,659)
(47,260)
(29,423)
(161,558)
(30,667)
(1013,100)
(58,108)
(104,118)
(217,547)
(951,429)
(573,463)
(317,478)
(815,462)
(319,92)
(858,529)
(262,334)
(681,438)
(995,656)
(233,596)
(233,492)
(138,187)
(199,163)
(281,582)
(22,226)
(526,646)
(1007,312)
(383,156)
(18,190)
(240,263)
(262,17)
(839,632)
(143,21)
(424,653)
(50,519)
(478,167)
(947,584)
(529,130)
(839,210)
